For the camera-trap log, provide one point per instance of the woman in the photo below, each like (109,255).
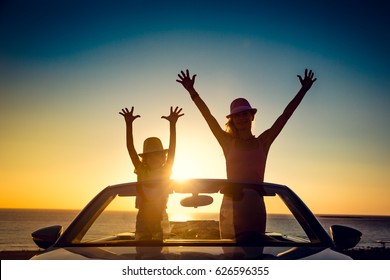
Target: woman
(245,155)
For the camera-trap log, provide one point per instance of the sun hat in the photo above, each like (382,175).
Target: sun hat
(152,145)
(240,105)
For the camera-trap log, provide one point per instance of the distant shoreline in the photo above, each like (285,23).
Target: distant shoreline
(316,214)
(350,216)
(344,216)
(374,253)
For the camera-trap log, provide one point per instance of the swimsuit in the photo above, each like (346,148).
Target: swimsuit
(151,202)
(245,214)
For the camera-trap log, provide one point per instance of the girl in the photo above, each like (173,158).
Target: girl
(155,163)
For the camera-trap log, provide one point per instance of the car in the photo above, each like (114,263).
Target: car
(105,228)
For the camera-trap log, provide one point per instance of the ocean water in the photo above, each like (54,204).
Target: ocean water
(16,225)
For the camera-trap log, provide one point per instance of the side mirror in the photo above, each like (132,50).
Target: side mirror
(196,200)
(345,237)
(46,237)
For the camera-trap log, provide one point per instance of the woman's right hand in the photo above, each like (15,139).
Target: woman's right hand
(128,115)
(174,115)
(186,80)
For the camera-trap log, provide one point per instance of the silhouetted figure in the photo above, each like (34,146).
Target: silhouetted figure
(245,156)
(155,163)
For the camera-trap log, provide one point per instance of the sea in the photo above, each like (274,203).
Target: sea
(16,226)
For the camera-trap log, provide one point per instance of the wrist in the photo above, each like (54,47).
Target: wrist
(191,90)
(194,95)
(305,88)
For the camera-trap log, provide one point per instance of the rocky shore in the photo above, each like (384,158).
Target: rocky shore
(373,253)
(17,255)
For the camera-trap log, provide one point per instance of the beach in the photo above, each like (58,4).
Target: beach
(369,253)
(18,255)
(374,253)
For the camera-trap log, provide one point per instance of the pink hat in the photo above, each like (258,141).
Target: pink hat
(240,105)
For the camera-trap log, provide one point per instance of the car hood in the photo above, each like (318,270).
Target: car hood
(188,253)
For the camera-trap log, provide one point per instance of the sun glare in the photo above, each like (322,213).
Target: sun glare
(182,172)
(179,217)
(175,211)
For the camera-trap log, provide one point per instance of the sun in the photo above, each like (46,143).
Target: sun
(175,211)
(179,217)
(182,171)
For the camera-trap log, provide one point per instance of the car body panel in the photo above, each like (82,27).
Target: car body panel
(186,253)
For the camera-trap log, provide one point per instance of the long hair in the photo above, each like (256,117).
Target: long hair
(230,127)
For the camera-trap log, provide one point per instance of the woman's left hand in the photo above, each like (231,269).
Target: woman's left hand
(308,80)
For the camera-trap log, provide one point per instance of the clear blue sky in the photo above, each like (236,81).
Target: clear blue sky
(68,67)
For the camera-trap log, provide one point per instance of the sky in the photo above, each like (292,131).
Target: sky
(68,67)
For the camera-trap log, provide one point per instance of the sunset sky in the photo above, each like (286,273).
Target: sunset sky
(68,67)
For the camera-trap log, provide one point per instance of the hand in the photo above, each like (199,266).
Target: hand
(308,80)
(174,115)
(128,115)
(186,80)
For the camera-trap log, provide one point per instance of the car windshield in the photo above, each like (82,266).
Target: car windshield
(191,215)
(186,223)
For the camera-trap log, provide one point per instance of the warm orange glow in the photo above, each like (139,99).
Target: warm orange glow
(182,172)
(51,158)
(179,217)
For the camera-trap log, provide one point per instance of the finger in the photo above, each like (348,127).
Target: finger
(193,78)
(188,73)
(300,78)
(164,117)
(314,80)
(306,72)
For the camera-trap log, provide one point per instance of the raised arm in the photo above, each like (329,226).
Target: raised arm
(188,83)
(269,135)
(172,118)
(129,118)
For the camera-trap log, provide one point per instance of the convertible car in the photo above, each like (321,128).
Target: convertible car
(106,227)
